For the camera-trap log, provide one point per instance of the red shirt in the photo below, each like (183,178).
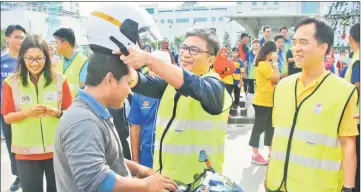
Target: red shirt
(7,106)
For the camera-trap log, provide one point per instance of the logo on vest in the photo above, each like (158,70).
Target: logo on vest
(25,99)
(145,104)
(50,96)
(318,108)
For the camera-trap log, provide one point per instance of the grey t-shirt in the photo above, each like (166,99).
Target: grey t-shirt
(87,147)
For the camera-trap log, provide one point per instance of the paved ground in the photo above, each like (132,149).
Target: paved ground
(237,161)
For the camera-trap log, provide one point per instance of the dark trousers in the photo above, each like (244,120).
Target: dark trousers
(249,85)
(237,92)
(7,134)
(262,123)
(31,174)
(357,183)
(126,149)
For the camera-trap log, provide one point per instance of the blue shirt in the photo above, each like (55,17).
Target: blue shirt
(98,108)
(280,60)
(83,72)
(8,66)
(250,57)
(343,72)
(238,70)
(262,41)
(143,112)
(355,76)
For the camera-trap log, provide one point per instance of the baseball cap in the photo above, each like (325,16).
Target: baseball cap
(235,49)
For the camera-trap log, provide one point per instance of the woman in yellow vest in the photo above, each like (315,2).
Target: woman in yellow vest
(34,100)
(267,74)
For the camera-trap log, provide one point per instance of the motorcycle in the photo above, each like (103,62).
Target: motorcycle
(209,180)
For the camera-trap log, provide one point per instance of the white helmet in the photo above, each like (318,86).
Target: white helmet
(118,26)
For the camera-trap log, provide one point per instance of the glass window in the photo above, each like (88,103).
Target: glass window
(254,3)
(203,19)
(276,2)
(220,19)
(150,10)
(162,21)
(214,19)
(265,3)
(183,20)
(169,20)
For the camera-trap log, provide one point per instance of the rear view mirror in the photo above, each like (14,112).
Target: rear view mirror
(203,156)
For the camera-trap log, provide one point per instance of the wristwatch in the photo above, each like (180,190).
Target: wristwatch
(345,189)
(61,114)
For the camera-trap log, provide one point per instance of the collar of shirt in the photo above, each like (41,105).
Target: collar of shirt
(94,104)
(67,61)
(302,88)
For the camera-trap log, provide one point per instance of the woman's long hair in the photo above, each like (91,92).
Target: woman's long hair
(21,69)
(268,47)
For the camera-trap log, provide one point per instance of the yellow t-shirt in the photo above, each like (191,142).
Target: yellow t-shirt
(264,86)
(348,126)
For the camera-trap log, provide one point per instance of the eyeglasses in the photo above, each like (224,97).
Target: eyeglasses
(38,60)
(192,50)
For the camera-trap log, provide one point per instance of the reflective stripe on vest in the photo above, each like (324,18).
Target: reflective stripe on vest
(306,151)
(309,137)
(16,92)
(188,149)
(326,165)
(31,150)
(182,125)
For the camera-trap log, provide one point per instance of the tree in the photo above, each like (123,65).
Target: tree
(152,44)
(227,42)
(342,15)
(2,41)
(178,40)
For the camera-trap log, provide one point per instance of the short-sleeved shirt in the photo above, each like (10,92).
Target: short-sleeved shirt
(8,66)
(8,106)
(143,112)
(237,73)
(250,71)
(343,72)
(83,72)
(355,76)
(264,85)
(292,67)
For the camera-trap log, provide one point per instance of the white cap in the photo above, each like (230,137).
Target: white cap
(163,55)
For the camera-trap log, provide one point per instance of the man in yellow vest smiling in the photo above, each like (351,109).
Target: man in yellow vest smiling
(74,64)
(313,148)
(193,109)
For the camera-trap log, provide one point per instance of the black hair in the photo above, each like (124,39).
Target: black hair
(278,37)
(11,28)
(355,32)
(324,32)
(100,64)
(65,34)
(29,42)
(268,47)
(207,34)
(244,35)
(265,27)
(284,27)
(342,51)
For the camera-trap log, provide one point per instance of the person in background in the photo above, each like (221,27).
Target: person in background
(142,117)
(74,64)
(292,67)
(144,70)
(34,100)
(53,58)
(341,61)
(165,47)
(329,61)
(267,75)
(353,76)
(242,46)
(14,36)
(281,55)
(266,34)
(147,48)
(344,67)
(288,42)
(250,78)
(237,75)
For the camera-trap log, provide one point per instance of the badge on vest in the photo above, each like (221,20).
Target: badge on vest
(50,96)
(318,108)
(25,99)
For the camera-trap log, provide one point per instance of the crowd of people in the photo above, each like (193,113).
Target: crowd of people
(70,116)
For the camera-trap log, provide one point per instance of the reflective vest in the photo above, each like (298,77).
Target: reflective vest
(191,129)
(306,151)
(348,75)
(72,72)
(35,135)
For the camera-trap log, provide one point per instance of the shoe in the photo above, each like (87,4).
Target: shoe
(16,185)
(258,159)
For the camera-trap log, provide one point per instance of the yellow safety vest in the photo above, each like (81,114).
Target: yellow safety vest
(348,75)
(306,151)
(190,130)
(35,135)
(73,72)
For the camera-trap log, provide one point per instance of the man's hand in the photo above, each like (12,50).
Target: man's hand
(136,59)
(357,116)
(144,172)
(159,183)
